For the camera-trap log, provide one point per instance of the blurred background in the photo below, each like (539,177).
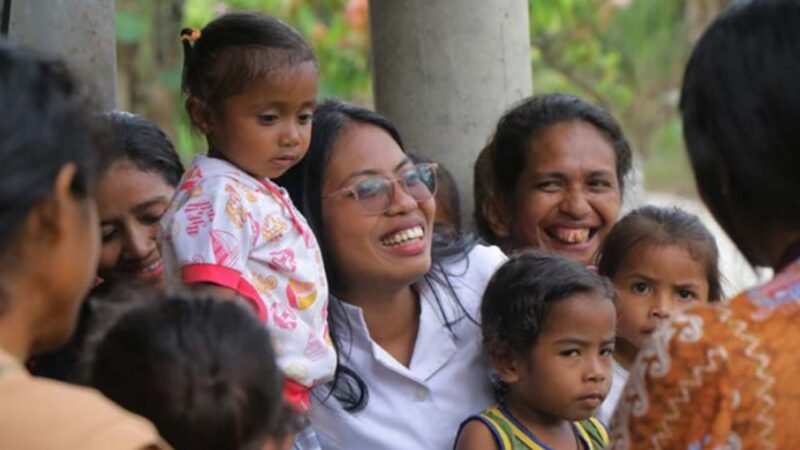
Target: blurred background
(626,55)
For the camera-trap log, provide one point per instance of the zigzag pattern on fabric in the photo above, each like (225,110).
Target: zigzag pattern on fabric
(765,416)
(713,355)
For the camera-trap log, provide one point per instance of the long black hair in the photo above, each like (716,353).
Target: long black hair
(304,183)
(741,108)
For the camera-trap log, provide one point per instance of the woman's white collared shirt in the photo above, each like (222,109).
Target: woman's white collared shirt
(422,405)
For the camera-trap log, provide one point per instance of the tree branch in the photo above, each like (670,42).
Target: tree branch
(551,60)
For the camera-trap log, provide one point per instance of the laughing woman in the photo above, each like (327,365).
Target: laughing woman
(403,310)
(133,192)
(137,178)
(552,177)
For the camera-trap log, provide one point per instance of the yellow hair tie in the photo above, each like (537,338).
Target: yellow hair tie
(190,35)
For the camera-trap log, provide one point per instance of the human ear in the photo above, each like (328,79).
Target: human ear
(505,365)
(495,216)
(200,114)
(48,220)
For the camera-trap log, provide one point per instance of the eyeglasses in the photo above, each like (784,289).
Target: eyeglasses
(375,193)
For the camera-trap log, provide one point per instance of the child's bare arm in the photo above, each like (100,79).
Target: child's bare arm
(476,436)
(215,290)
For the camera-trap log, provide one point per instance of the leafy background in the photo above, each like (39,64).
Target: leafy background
(626,55)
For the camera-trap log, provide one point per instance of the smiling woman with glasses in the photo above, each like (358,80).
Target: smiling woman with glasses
(404,304)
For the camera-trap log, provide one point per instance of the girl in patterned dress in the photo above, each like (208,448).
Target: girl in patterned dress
(251,83)
(661,261)
(548,326)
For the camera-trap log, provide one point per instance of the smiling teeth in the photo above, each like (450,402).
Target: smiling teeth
(403,237)
(152,267)
(572,236)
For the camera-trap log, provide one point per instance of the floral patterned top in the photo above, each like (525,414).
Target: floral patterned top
(721,377)
(230,229)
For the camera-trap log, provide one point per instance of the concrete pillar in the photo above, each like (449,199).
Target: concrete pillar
(82,31)
(445,70)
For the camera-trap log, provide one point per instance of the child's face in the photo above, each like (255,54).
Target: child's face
(266,129)
(655,283)
(567,373)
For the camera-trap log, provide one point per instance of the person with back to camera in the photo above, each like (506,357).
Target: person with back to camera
(552,177)
(403,311)
(726,376)
(251,82)
(202,370)
(548,325)
(49,248)
(661,261)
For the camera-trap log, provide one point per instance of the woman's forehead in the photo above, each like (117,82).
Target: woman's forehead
(572,144)
(365,148)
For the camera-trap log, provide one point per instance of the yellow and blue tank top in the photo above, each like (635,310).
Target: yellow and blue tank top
(510,434)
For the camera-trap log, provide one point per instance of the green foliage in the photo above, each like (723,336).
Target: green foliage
(626,56)
(131,27)
(341,45)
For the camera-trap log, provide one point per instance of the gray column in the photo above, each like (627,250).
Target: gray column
(445,70)
(82,31)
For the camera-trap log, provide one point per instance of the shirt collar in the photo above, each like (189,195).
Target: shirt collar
(434,346)
(213,167)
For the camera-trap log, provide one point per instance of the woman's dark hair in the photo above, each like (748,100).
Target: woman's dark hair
(654,226)
(446,190)
(141,142)
(482,194)
(304,182)
(515,138)
(740,118)
(236,48)
(518,299)
(44,125)
(202,370)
